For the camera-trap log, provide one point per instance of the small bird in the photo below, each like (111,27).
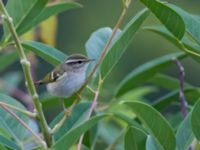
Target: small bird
(68,77)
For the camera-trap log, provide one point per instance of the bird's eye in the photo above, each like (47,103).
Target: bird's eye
(79,62)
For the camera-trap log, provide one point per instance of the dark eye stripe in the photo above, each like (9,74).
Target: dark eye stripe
(74,61)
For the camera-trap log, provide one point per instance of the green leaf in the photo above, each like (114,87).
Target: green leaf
(195,120)
(191,95)
(74,134)
(78,114)
(172,83)
(192,22)
(22,13)
(145,72)
(151,144)
(126,119)
(8,143)
(109,133)
(97,41)
(7,59)
(49,11)
(10,124)
(169,18)
(118,47)
(185,44)
(184,135)
(138,93)
(135,139)
(49,54)
(3,147)
(156,124)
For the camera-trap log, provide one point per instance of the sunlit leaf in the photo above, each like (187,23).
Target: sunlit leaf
(119,46)
(170,18)
(135,139)
(50,54)
(146,71)
(156,124)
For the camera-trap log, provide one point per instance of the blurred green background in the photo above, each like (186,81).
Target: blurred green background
(75,27)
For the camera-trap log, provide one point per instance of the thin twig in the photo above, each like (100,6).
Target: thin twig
(28,113)
(37,138)
(59,125)
(181,92)
(67,112)
(94,102)
(92,107)
(106,46)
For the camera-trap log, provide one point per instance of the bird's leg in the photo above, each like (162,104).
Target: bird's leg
(67,111)
(78,96)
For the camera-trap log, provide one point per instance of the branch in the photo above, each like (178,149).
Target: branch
(92,107)
(27,113)
(38,139)
(27,72)
(126,5)
(181,92)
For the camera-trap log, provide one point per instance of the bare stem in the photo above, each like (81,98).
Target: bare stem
(92,107)
(181,92)
(37,138)
(28,113)
(27,72)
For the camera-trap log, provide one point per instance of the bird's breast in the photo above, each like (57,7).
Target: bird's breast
(68,85)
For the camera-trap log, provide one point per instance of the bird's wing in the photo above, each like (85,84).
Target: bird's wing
(53,76)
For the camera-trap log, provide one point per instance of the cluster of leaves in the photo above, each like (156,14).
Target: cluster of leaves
(146,127)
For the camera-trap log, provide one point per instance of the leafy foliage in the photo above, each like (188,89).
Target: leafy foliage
(135,139)
(146,71)
(161,132)
(51,55)
(143,122)
(170,18)
(122,42)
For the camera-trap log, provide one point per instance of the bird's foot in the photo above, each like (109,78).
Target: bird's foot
(78,96)
(67,112)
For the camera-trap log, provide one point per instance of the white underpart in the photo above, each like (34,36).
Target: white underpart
(67,84)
